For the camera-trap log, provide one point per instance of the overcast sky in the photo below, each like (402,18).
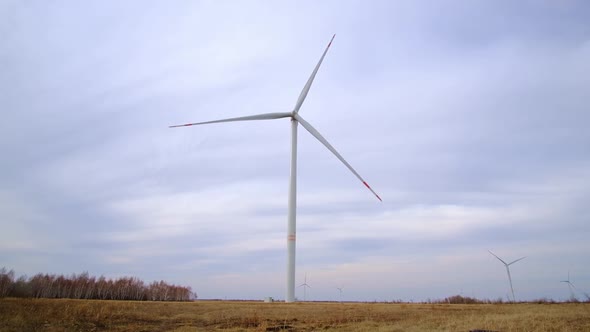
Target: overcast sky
(469,118)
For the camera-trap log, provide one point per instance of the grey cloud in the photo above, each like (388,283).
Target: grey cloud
(468,119)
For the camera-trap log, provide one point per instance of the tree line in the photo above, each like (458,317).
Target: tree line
(84,286)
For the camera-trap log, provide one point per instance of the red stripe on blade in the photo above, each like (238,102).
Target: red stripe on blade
(367,185)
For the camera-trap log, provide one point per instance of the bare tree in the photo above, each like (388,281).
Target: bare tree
(83,286)
(6,281)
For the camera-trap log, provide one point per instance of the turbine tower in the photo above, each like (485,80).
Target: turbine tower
(292,203)
(508,271)
(305,285)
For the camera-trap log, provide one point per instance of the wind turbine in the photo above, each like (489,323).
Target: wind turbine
(304,285)
(570,285)
(340,290)
(508,271)
(295,120)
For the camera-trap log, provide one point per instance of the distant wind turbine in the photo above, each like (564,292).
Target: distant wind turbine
(570,285)
(304,285)
(295,120)
(340,290)
(508,271)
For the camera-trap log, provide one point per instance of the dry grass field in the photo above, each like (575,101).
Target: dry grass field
(95,315)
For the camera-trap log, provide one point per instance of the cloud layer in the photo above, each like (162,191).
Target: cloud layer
(469,120)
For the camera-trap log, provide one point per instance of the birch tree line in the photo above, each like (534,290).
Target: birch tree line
(84,286)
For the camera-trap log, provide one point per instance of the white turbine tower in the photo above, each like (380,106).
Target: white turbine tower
(570,285)
(295,119)
(305,285)
(508,271)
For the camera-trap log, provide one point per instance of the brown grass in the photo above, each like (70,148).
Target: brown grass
(94,315)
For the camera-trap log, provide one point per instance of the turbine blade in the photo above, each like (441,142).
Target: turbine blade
(310,80)
(265,116)
(521,258)
(320,138)
(497,257)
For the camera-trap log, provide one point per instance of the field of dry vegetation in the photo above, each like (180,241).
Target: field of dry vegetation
(97,315)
